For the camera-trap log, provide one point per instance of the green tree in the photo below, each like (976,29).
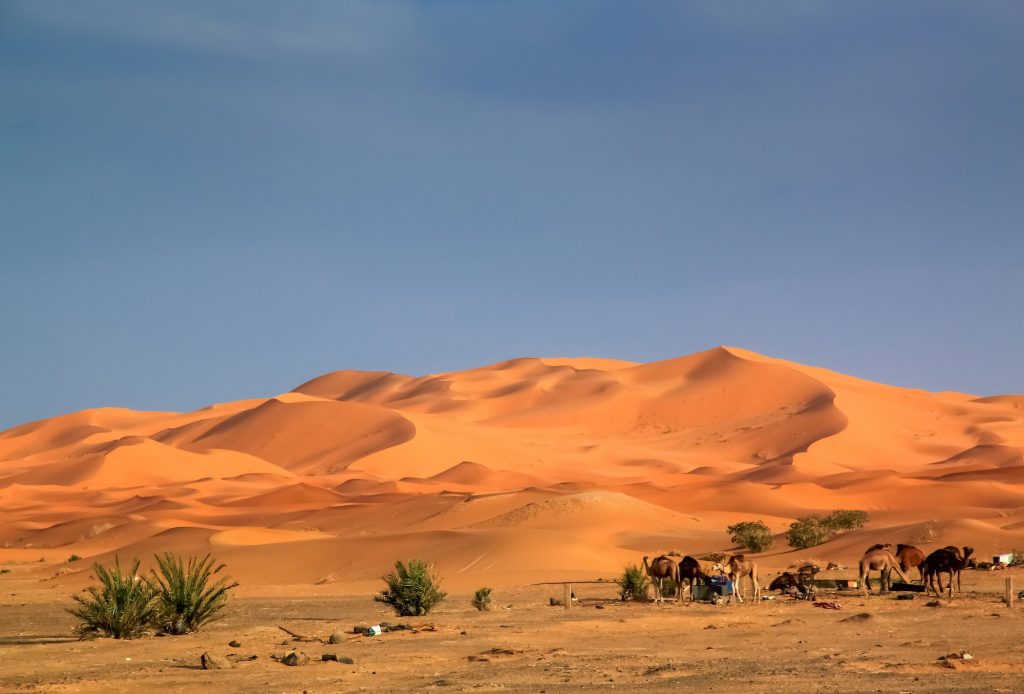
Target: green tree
(753,535)
(810,531)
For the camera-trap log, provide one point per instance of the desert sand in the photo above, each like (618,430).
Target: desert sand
(520,472)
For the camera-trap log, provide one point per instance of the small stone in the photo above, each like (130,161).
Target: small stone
(235,644)
(334,657)
(336,637)
(210,661)
(295,658)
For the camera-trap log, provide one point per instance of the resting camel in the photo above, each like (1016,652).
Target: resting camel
(661,568)
(879,558)
(910,556)
(689,569)
(947,560)
(739,566)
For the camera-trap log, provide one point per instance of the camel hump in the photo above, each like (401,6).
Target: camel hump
(738,557)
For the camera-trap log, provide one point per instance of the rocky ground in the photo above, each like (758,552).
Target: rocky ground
(877,644)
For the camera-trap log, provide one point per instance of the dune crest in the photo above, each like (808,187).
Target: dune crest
(597,459)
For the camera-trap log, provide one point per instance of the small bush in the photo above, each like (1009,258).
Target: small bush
(716,557)
(810,531)
(633,583)
(1018,557)
(807,532)
(121,606)
(845,520)
(186,597)
(482,599)
(752,535)
(668,588)
(5,571)
(74,557)
(412,591)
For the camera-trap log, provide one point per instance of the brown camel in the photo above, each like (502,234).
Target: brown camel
(879,558)
(910,556)
(947,560)
(738,567)
(689,570)
(661,568)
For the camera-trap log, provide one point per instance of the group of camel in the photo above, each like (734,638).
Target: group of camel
(880,557)
(945,560)
(689,570)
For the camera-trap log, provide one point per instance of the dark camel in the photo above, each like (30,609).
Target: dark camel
(947,560)
(689,570)
(661,568)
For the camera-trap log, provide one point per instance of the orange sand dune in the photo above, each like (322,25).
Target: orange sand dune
(521,470)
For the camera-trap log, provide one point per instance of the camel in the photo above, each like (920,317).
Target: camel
(947,560)
(689,569)
(909,556)
(661,568)
(879,558)
(739,566)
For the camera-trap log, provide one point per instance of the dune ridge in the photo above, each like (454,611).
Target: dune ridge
(592,458)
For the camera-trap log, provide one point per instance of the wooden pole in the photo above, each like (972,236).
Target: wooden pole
(568,595)
(1009,591)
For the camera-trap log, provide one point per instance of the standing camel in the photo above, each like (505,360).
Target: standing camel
(910,556)
(661,568)
(689,570)
(947,560)
(879,558)
(739,566)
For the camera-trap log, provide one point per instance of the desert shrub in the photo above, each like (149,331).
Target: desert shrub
(121,606)
(810,531)
(845,520)
(1018,557)
(187,596)
(753,535)
(5,571)
(633,583)
(74,557)
(714,557)
(411,590)
(482,599)
(668,588)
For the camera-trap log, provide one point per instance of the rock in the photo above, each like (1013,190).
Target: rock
(295,658)
(210,661)
(235,644)
(334,657)
(336,637)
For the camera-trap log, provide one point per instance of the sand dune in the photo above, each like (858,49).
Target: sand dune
(526,468)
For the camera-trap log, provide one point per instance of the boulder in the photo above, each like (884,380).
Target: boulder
(211,661)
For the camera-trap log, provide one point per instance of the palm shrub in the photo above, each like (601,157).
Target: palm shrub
(668,587)
(121,606)
(633,583)
(482,599)
(411,591)
(187,597)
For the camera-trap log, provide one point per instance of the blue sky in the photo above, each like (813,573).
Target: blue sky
(203,201)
